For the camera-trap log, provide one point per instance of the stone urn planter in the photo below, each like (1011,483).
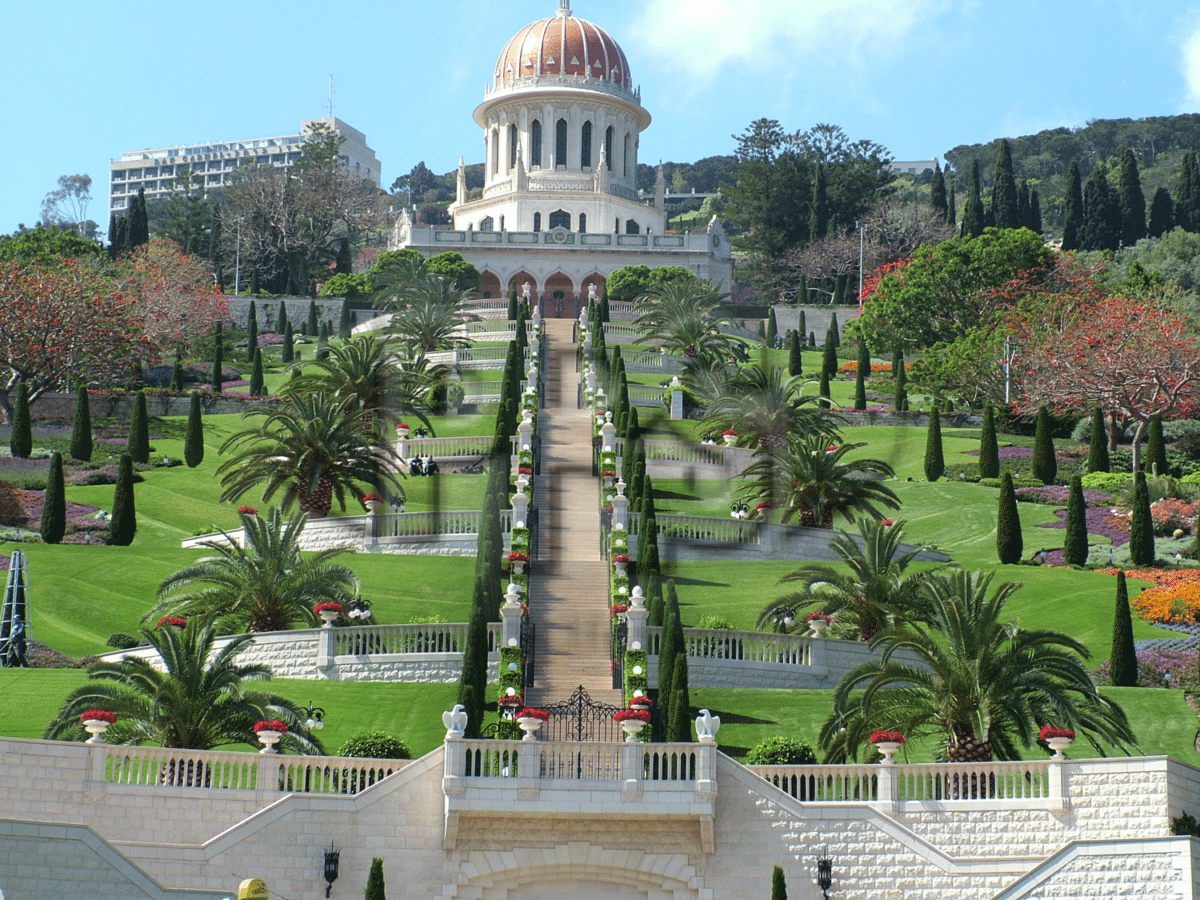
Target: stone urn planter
(887,749)
(1059,745)
(818,627)
(96,728)
(632,727)
(530,725)
(729,439)
(373,505)
(269,739)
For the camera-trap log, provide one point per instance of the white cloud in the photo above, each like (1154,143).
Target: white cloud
(1190,65)
(705,36)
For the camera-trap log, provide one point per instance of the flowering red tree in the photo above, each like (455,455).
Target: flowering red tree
(59,322)
(173,295)
(1129,357)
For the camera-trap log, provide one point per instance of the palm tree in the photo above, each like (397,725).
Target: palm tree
(363,373)
(196,698)
(680,318)
(981,687)
(875,594)
(265,584)
(766,408)
(813,478)
(313,450)
(427,313)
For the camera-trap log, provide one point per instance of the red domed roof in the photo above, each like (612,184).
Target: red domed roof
(563,45)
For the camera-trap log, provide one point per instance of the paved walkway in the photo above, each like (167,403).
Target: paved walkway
(569,581)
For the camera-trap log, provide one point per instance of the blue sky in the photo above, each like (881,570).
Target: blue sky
(85,81)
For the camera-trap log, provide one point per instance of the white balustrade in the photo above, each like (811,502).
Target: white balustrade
(375,640)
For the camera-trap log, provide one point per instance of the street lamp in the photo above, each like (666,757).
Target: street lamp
(332,856)
(360,610)
(316,717)
(1012,349)
(824,874)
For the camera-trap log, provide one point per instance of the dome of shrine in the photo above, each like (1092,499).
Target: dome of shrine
(563,45)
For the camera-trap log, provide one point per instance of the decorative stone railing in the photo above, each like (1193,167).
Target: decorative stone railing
(470,358)
(426,525)
(622,334)
(481,391)
(932,786)
(646,395)
(706,528)
(740,646)
(214,770)
(445,448)
(502,778)
(388,640)
(641,362)
(695,454)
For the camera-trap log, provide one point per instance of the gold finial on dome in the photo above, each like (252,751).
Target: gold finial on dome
(564,8)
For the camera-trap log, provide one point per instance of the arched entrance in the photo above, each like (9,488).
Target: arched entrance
(521,279)
(595,278)
(489,286)
(560,297)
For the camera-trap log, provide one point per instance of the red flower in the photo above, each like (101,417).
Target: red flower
(730,432)
(524,470)
(879,736)
(639,701)
(518,556)
(98,715)
(400,425)
(328,606)
(270,725)
(618,608)
(766,504)
(625,715)
(171,620)
(1049,731)
(367,497)
(247,511)
(532,712)
(621,558)
(818,616)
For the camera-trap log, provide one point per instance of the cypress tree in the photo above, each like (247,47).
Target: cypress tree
(802,327)
(288,354)
(818,221)
(375,885)
(935,461)
(218,361)
(473,684)
(672,645)
(937,192)
(1122,665)
(251,331)
(829,361)
(1132,200)
(901,382)
(1101,213)
(951,207)
(139,430)
(513,303)
(1073,210)
(1075,548)
(1045,464)
(139,223)
(284,327)
(256,375)
(836,332)
(972,221)
(897,363)
(795,356)
(344,327)
(1141,527)
(778,884)
(1034,223)
(989,449)
(1009,542)
(772,327)
(1183,196)
(1023,204)
(679,721)
(812,339)
(1004,190)
(81,427)
(313,324)
(1162,214)
(860,379)
(21,441)
(123,525)
(1156,448)
(323,342)
(193,447)
(1097,460)
(177,375)
(54,507)
(823,388)
(344,264)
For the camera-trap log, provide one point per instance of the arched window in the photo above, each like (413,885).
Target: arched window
(537,221)
(488,224)
(535,144)
(608,147)
(585,146)
(512,146)
(495,155)
(560,143)
(631,227)
(625,162)
(617,226)
(560,218)
(583,223)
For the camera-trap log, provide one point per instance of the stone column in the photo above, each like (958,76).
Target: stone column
(638,636)
(620,505)
(325,650)
(520,505)
(524,434)
(510,618)
(608,434)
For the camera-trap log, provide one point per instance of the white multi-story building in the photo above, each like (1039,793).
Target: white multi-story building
(155,169)
(560,210)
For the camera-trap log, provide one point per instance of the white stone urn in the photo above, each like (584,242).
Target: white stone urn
(621,567)
(96,728)
(632,728)
(818,627)
(373,505)
(1059,745)
(402,431)
(887,749)
(269,739)
(530,725)
(518,566)
(328,617)
(729,439)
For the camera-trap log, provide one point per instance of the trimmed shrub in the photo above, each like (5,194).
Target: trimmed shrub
(795,356)
(193,448)
(121,641)
(256,374)
(375,887)
(1075,549)
(1156,448)
(781,751)
(989,448)
(935,461)
(218,361)
(54,510)
(860,376)
(1123,664)
(679,717)
(21,442)
(778,884)
(375,745)
(1141,525)
(1045,464)
(288,353)
(1009,542)
(1097,460)
(829,359)
(124,516)
(139,430)
(81,427)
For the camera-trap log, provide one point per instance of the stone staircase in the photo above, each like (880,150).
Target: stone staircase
(569,581)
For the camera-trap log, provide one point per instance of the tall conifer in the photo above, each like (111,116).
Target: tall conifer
(313,323)
(860,381)
(81,426)
(951,206)
(1073,209)
(193,446)
(1156,448)
(1045,463)
(937,192)
(679,721)
(901,402)
(1097,460)
(1141,526)
(256,374)
(795,356)
(20,443)
(1122,665)
(139,430)
(1075,546)
(1101,213)
(54,506)
(1004,190)
(818,223)
(1162,213)
(972,220)
(935,461)
(989,448)
(218,361)
(1132,200)
(1009,542)
(778,884)
(123,525)
(251,330)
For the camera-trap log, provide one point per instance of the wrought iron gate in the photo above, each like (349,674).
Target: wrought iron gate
(579,718)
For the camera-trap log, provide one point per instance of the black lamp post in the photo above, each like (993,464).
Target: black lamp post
(316,718)
(824,874)
(360,610)
(332,855)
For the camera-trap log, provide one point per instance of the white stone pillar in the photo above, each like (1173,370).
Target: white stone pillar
(325,649)
(608,434)
(524,433)
(520,505)
(510,617)
(638,635)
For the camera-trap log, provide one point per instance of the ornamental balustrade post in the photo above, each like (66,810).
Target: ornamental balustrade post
(886,791)
(676,401)
(1057,777)
(529,768)
(638,636)
(97,755)
(325,648)
(608,433)
(632,763)
(620,505)
(817,654)
(524,434)
(706,770)
(591,376)
(520,505)
(510,618)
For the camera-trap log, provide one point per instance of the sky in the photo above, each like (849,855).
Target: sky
(86,81)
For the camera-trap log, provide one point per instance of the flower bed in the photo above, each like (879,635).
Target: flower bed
(1174,605)
(270,725)
(1058,494)
(1153,663)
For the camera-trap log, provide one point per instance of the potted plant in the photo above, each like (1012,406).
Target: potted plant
(608,475)
(510,701)
(887,743)
(269,732)
(639,700)
(518,559)
(621,564)
(729,436)
(402,430)
(1059,739)
(618,609)
(175,623)
(818,621)
(762,510)
(328,611)
(372,502)
(632,721)
(530,719)
(96,721)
